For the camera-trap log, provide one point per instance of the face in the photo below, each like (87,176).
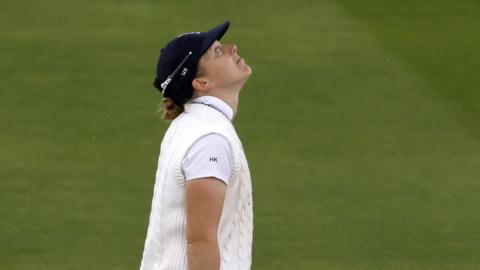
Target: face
(222,65)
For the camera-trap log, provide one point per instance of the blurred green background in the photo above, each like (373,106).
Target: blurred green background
(361,124)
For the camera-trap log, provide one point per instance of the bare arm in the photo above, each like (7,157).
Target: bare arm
(205,197)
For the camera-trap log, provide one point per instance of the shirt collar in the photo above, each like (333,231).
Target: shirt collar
(217,104)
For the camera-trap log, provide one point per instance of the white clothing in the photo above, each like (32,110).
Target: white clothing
(216,103)
(211,155)
(165,245)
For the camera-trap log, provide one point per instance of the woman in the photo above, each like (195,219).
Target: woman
(201,215)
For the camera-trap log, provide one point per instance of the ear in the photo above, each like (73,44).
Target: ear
(201,84)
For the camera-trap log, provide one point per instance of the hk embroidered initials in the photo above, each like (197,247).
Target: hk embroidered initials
(213,159)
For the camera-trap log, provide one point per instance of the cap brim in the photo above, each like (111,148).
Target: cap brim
(214,34)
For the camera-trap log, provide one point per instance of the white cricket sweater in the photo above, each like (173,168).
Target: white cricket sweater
(166,243)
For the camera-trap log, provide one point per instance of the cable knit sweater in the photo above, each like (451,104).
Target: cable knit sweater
(166,244)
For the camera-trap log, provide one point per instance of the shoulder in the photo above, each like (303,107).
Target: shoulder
(211,147)
(213,139)
(209,156)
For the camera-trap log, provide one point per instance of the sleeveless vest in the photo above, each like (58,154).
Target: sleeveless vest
(166,243)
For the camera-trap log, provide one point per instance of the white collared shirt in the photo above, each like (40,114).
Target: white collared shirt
(216,103)
(211,155)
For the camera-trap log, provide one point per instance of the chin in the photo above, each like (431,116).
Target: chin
(248,70)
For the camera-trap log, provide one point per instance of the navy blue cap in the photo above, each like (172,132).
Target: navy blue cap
(177,64)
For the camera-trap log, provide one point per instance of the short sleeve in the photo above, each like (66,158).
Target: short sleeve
(210,156)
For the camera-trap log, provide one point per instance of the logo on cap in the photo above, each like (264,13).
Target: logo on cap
(170,77)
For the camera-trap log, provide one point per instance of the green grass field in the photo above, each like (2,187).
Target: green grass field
(361,124)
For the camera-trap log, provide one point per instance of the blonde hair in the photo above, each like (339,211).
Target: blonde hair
(169,110)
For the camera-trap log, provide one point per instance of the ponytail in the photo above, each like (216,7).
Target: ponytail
(169,109)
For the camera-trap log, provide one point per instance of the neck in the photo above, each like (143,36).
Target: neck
(230,97)
(231,101)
